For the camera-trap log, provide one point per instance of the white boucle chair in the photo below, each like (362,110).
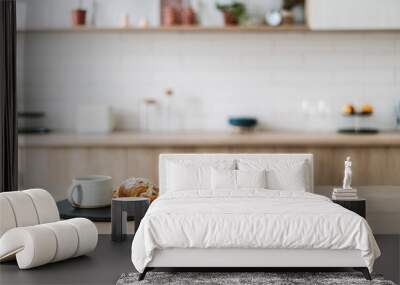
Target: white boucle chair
(31,230)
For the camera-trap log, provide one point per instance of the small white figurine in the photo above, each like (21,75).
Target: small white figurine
(347,174)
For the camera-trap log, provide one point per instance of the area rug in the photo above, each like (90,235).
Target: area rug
(244,278)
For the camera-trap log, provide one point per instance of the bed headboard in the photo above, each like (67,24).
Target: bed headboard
(164,158)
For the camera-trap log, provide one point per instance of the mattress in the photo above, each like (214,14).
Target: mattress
(250,219)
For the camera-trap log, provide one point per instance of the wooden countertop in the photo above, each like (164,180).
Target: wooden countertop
(274,139)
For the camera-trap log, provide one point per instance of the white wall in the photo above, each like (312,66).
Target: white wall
(213,75)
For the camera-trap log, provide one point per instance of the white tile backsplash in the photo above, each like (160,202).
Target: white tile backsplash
(214,76)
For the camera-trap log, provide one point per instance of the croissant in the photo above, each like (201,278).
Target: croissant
(137,187)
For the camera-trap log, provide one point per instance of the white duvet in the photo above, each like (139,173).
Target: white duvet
(250,219)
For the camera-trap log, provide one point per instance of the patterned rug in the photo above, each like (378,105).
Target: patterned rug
(243,278)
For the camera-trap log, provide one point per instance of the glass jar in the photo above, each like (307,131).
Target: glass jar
(150,115)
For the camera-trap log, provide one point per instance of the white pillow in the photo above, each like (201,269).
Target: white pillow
(251,178)
(193,175)
(237,179)
(281,174)
(223,179)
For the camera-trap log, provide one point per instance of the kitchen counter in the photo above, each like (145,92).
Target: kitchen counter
(51,161)
(131,139)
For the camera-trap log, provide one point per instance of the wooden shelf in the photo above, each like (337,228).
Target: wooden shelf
(173,29)
(200,29)
(203,139)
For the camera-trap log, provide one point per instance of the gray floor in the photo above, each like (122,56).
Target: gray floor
(110,260)
(103,266)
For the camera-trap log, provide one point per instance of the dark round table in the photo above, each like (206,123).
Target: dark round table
(102,214)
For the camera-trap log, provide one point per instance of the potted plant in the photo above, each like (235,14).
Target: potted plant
(234,13)
(79,15)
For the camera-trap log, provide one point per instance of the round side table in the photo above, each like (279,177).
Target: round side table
(123,207)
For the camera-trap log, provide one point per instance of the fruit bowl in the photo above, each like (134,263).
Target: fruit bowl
(366,110)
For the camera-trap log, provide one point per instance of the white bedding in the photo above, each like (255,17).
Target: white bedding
(250,218)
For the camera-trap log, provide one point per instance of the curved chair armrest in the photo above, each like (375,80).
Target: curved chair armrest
(40,244)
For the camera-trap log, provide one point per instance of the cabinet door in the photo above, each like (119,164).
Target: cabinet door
(353,14)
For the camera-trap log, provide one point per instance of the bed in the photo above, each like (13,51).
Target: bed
(245,211)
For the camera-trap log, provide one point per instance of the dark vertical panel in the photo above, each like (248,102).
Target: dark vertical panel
(8,101)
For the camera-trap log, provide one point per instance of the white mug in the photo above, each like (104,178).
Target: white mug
(90,191)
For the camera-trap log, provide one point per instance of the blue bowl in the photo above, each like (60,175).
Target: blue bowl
(243,122)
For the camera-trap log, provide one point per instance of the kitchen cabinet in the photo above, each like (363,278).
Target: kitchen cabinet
(353,15)
(51,161)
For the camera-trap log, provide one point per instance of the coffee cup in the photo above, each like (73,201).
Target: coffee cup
(92,191)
